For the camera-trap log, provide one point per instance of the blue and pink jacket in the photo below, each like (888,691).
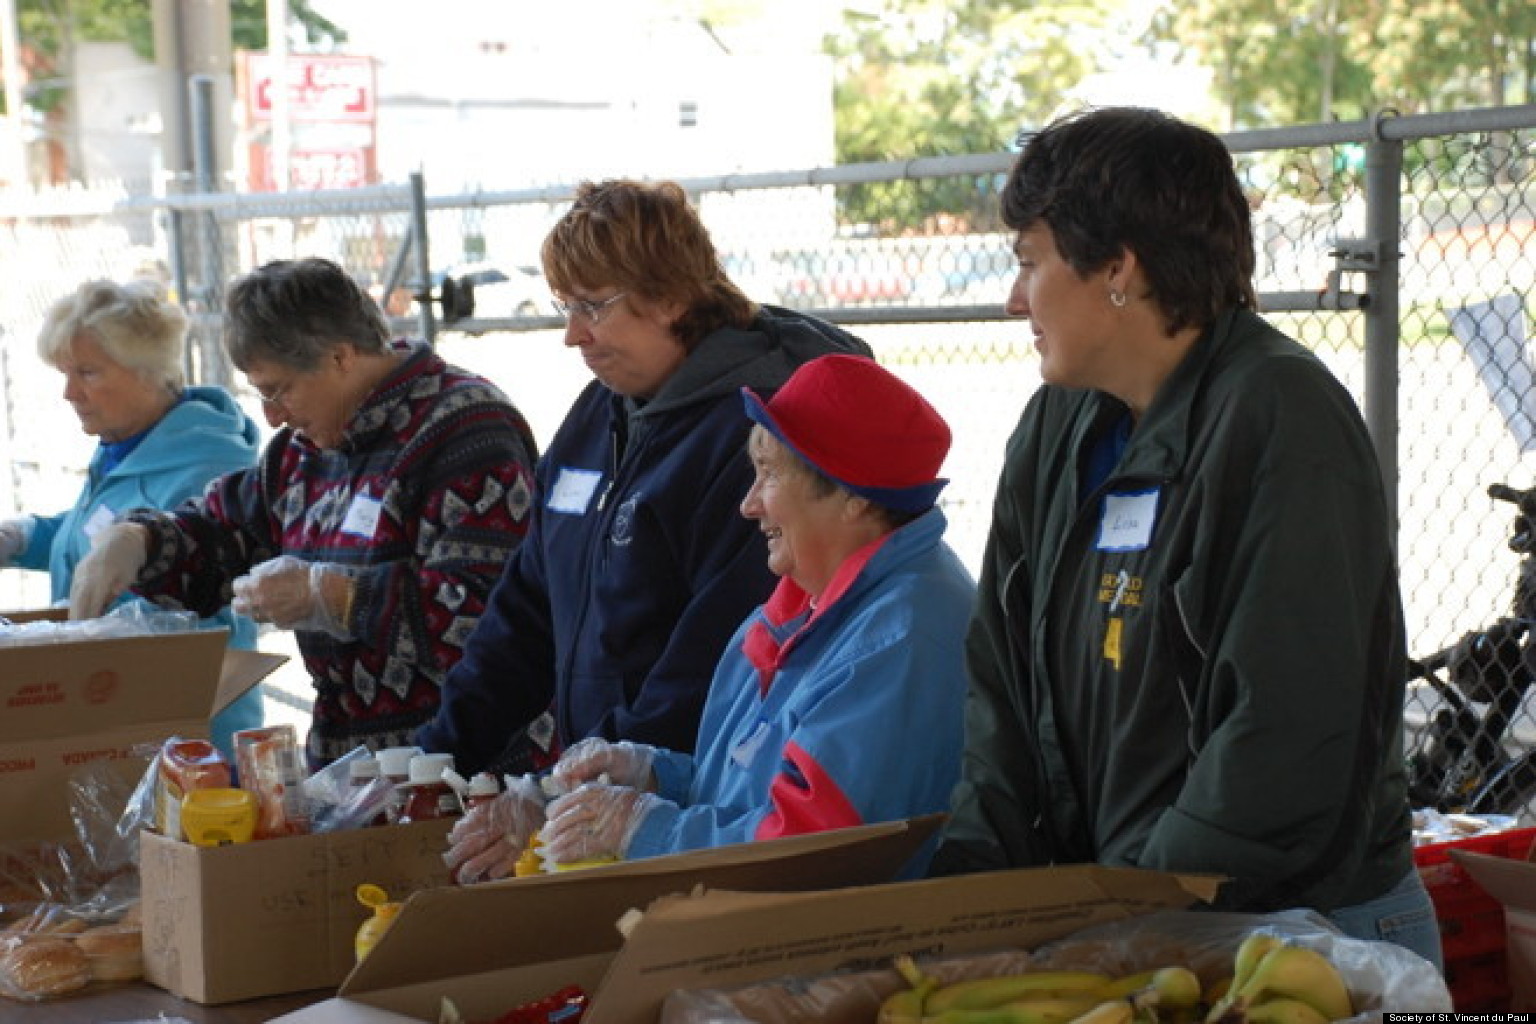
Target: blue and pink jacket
(846,714)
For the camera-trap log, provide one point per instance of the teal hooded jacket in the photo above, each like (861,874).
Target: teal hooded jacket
(203,436)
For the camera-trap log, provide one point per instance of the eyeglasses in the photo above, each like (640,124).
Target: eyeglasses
(275,396)
(591,310)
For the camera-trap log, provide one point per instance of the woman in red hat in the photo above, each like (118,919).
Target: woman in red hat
(840,701)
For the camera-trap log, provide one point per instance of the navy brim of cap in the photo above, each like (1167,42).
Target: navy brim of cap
(918,498)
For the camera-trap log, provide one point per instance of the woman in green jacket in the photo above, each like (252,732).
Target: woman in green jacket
(1188,652)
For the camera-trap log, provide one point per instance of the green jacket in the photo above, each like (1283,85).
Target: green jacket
(1224,694)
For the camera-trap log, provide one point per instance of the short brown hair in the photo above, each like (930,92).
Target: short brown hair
(646,239)
(292,312)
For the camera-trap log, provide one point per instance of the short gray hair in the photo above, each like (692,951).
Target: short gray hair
(293,312)
(134,323)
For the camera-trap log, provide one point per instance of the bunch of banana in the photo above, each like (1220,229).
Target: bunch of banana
(1040,997)
(1276,982)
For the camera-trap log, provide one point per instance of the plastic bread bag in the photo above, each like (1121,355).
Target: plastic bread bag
(1380,976)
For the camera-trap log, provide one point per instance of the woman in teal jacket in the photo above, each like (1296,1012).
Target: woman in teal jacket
(119,347)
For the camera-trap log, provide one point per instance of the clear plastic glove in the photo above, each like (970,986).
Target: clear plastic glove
(14,535)
(294,594)
(484,844)
(596,820)
(625,764)
(117,555)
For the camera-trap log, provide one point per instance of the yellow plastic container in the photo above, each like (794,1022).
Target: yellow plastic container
(214,817)
(374,927)
(532,862)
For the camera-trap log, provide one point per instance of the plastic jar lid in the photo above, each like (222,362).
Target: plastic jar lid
(483,784)
(428,768)
(362,769)
(394,761)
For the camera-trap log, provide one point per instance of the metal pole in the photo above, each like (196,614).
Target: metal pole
(205,170)
(1383,227)
(423,258)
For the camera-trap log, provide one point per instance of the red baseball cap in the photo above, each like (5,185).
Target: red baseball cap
(861,425)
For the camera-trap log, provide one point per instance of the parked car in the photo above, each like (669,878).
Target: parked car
(501,292)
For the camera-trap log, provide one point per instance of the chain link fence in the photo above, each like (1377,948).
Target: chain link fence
(1399,249)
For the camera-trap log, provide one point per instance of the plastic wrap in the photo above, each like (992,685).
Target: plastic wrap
(130,619)
(1380,976)
(336,804)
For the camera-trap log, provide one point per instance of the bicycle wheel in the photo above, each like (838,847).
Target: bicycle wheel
(1510,790)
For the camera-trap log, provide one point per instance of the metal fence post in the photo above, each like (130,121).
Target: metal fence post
(1383,227)
(423,257)
(205,170)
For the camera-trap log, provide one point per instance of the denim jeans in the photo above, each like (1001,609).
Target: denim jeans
(1404,915)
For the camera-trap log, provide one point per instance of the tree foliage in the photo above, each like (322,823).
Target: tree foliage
(1287,61)
(48,29)
(922,78)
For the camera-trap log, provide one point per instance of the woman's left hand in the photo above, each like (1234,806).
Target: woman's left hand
(596,820)
(294,594)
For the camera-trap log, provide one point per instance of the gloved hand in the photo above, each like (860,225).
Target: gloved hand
(596,820)
(14,536)
(625,764)
(117,555)
(484,844)
(294,594)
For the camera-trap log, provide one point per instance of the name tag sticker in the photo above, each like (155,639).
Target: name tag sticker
(102,518)
(362,516)
(1128,520)
(573,490)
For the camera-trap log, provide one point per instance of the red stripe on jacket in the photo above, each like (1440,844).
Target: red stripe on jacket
(811,803)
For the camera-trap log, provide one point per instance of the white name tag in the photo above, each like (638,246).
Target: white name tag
(1127,522)
(573,490)
(102,518)
(363,516)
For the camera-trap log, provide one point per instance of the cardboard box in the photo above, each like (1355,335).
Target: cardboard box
(1513,884)
(511,946)
(279,915)
(64,705)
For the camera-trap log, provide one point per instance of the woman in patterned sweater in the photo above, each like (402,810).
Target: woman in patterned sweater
(375,523)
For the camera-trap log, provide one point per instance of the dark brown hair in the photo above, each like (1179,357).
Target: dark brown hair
(1128,178)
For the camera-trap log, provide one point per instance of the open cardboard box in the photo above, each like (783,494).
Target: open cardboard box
(1512,883)
(237,922)
(227,923)
(494,948)
(64,705)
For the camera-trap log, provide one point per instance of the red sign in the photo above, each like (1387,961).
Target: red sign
(313,169)
(320,87)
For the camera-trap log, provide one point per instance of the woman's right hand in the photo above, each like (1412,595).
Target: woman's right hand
(484,844)
(112,565)
(14,534)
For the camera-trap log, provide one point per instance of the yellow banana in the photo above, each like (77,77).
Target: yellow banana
(1110,1011)
(1296,972)
(1127,985)
(1170,988)
(906,1006)
(1254,948)
(1284,1011)
(1054,1010)
(983,993)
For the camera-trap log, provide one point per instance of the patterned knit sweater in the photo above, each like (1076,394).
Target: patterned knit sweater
(423,500)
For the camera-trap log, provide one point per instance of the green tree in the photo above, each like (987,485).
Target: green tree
(920,78)
(1288,61)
